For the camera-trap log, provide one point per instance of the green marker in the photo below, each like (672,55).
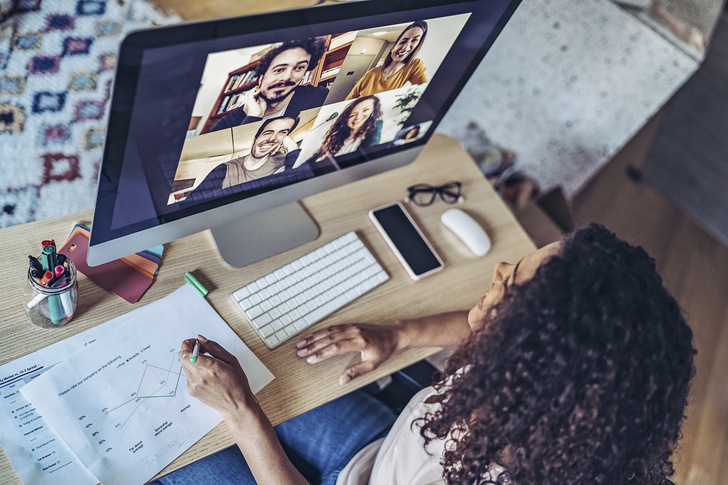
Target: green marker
(195,352)
(48,257)
(48,260)
(190,278)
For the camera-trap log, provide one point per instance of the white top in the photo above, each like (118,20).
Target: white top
(401,458)
(349,146)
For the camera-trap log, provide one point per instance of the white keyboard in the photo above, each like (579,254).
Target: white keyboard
(296,296)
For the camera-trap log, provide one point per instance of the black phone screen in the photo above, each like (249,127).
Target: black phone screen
(412,247)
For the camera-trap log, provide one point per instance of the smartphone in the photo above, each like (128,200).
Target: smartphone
(406,240)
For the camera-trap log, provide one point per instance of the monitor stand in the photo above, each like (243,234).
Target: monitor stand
(264,234)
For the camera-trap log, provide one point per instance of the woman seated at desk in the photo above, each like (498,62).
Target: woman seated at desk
(572,368)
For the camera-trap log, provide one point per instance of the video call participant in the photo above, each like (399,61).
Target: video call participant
(573,368)
(273,151)
(400,66)
(407,135)
(359,125)
(279,89)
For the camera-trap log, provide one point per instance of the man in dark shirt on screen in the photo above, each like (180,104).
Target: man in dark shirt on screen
(279,90)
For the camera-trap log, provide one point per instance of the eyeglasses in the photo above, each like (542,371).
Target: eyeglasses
(423,195)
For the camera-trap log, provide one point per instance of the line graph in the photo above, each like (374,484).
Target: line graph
(155,382)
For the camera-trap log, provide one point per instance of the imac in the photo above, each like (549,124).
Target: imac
(226,124)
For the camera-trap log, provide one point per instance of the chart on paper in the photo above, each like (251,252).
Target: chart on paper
(131,407)
(148,386)
(122,404)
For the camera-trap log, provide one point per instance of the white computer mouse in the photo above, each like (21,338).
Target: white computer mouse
(468,230)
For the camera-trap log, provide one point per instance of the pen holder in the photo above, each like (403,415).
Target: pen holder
(50,307)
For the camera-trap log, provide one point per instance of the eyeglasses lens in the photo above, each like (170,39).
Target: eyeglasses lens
(422,196)
(450,193)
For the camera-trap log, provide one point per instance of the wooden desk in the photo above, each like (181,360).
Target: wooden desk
(298,386)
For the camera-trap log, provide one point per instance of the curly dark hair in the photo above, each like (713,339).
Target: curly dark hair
(314,46)
(580,376)
(340,130)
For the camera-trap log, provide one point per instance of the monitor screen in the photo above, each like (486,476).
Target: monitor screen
(214,121)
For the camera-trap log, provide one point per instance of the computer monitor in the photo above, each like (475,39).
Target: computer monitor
(226,124)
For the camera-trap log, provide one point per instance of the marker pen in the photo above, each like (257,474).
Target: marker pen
(47,277)
(195,352)
(35,264)
(67,303)
(48,257)
(192,280)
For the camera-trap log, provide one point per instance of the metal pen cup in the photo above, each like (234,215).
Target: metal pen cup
(50,307)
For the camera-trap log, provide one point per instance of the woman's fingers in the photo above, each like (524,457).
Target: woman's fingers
(332,349)
(330,339)
(316,336)
(218,351)
(356,370)
(185,349)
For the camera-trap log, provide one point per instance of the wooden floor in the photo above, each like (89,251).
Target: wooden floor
(694,267)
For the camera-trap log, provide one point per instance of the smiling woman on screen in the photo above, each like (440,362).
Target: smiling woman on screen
(400,67)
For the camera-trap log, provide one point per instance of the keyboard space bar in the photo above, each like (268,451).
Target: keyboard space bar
(325,310)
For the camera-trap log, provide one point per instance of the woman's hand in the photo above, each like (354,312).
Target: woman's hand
(216,379)
(376,343)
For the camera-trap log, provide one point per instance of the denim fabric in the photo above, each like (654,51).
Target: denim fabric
(319,443)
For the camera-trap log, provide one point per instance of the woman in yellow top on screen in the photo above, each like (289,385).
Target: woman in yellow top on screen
(400,66)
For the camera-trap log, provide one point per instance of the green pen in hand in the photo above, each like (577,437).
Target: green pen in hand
(195,352)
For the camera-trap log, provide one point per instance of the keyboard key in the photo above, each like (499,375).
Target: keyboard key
(300,294)
(255,312)
(261,321)
(241,294)
(267,330)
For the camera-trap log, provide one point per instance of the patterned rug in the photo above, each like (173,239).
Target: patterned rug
(57,61)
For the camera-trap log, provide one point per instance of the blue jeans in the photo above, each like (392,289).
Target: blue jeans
(319,443)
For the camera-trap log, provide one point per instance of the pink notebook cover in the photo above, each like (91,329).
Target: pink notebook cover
(116,276)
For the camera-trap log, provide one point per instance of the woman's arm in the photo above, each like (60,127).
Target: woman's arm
(218,380)
(376,343)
